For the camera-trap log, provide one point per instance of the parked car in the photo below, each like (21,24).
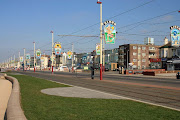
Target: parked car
(116,69)
(106,69)
(63,68)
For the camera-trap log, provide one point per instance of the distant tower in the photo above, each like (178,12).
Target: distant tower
(149,41)
(165,41)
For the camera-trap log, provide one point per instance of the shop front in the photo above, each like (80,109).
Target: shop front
(173,64)
(155,63)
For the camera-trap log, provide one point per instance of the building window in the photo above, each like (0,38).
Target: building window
(152,54)
(139,47)
(134,66)
(143,48)
(143,60)
(121,48)
(134,47)
(134,53)
(151,48)
(167,53)
(162,53)
(134,60)
(178,52)
(143,54)
(143,67)
(139,54)
(174,52)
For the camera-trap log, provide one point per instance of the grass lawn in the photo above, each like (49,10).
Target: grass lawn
(38,106)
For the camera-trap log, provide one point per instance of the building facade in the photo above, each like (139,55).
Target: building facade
(138,56)
(170,56)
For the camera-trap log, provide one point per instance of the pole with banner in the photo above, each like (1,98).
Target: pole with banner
(34,57)
(24,59)
(98,49)
(72,56)
(57,49)
(109,32)
(175,36)
(69,54)
(98,2)
(38,56)
(28,59)
(52,52)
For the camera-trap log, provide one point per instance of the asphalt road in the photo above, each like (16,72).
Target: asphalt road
(161,91)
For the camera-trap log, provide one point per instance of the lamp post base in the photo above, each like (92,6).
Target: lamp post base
(100,71)
(52,69)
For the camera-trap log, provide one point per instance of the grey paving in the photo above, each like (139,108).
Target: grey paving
(79,92)
(5,91)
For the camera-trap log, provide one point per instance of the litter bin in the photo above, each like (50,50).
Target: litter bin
(178,76)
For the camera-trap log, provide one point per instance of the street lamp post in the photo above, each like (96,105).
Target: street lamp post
(127,60)
(19,63)
(11,62)
(72,56)
(14,61)
(52,52)
(103,55)
(98,2)
(24,59)
(34,58)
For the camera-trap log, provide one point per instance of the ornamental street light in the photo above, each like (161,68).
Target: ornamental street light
(52,52)
(34,57)
(98,2)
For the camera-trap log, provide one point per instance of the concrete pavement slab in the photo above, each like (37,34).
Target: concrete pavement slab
(80,93)
(5,92)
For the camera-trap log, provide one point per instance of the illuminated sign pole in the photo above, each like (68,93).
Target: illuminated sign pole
(52,52)
(98,2)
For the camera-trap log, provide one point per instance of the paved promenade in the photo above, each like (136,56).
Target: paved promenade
(79,92)
(5,91)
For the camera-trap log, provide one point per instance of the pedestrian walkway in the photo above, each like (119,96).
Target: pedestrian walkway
(162,75)
(5,91)
(80,93)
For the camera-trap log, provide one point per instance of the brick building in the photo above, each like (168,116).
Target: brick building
(138,56)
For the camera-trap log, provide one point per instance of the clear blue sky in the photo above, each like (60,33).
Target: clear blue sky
(24,21)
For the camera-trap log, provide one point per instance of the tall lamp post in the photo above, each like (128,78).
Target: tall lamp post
(34,58)
(72,56)
(52,52)
(127,60)
(24,59)
(98,2)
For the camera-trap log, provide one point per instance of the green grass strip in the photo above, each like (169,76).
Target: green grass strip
(38,106)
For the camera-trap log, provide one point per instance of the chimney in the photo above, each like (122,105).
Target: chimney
(165,41)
